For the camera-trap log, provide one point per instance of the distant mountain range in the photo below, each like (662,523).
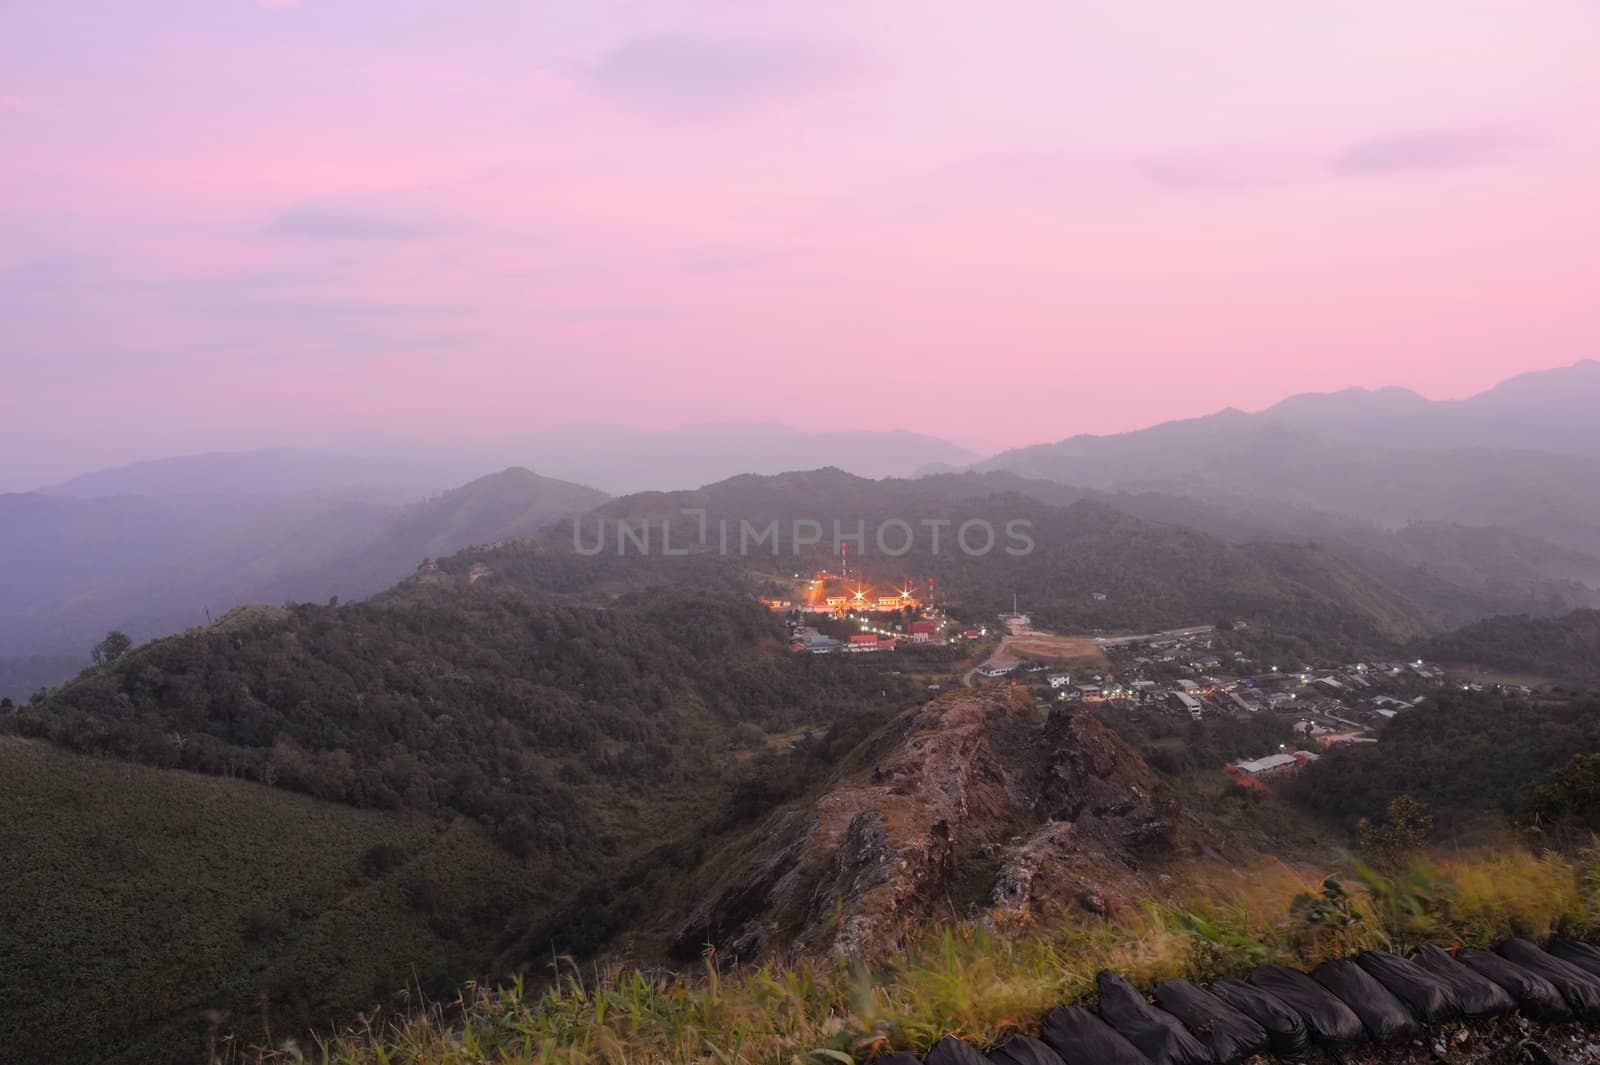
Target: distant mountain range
(151,565)
(1471,507)
(614,460)
(1546,410)
(1523,457)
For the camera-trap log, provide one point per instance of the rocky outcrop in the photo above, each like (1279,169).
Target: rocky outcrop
(977,795)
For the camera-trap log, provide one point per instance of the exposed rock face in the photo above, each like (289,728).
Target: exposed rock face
(976,794)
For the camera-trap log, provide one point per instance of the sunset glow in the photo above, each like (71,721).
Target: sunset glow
(328,219)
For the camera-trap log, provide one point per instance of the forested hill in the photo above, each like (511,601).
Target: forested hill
(1460,753)
(148,912)
(1566,647)
(571,732)
(1150,573)
(602,733)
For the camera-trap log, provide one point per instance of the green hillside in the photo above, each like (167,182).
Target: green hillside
(1563,648)
(1464,754)
(590,729)
(588,753)
(138,903)
(571,732)
(1150,573)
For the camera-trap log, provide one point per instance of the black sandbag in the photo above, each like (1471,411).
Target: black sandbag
(1018,1049)
(1585,956)
(1228,1034)
(1327,1018)
(1475,994)
(1384,1016)
(1285,1028)
(1429,998)
(1159,1036)
(1581,990)
(953,1051)
(1081,1038)
(1536,996)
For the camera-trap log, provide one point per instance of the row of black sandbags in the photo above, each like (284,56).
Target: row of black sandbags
(1377,997)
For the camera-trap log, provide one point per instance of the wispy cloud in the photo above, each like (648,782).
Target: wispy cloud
(686,77)
(1435,149)
(1220,171)
(628,312)
(325,221)
(1021,168)
(730,258)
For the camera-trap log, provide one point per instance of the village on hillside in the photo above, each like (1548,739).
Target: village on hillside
(1185,673)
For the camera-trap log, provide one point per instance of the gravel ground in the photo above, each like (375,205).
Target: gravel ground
(1509,1041)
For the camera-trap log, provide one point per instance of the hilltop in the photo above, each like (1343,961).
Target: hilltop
(976,797)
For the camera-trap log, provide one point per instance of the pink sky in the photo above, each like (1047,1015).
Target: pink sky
(229,223)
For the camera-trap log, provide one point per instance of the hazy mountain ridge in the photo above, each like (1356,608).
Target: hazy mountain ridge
(1509,566)
(154,565)
(1524,457)
(611,459)
(1093,566)
(1543,410)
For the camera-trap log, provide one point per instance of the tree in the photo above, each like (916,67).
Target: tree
(1569,795)
(1405,829)
(114,646)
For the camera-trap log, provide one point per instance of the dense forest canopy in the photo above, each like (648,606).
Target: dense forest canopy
(1460,753)
(146,910)
(550,723)
(1566,647)
(1090,565)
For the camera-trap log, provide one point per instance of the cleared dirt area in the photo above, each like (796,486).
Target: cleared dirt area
(1048,645)
(1076,652)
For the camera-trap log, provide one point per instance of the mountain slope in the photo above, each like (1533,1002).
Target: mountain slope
(577,740)
(1563,648)
(515,502)
(139,902)
(976,795)
(546,723)
(1151,574)
(1236,459)
(1493,569)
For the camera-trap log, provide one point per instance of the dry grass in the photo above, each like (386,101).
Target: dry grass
(978,979)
